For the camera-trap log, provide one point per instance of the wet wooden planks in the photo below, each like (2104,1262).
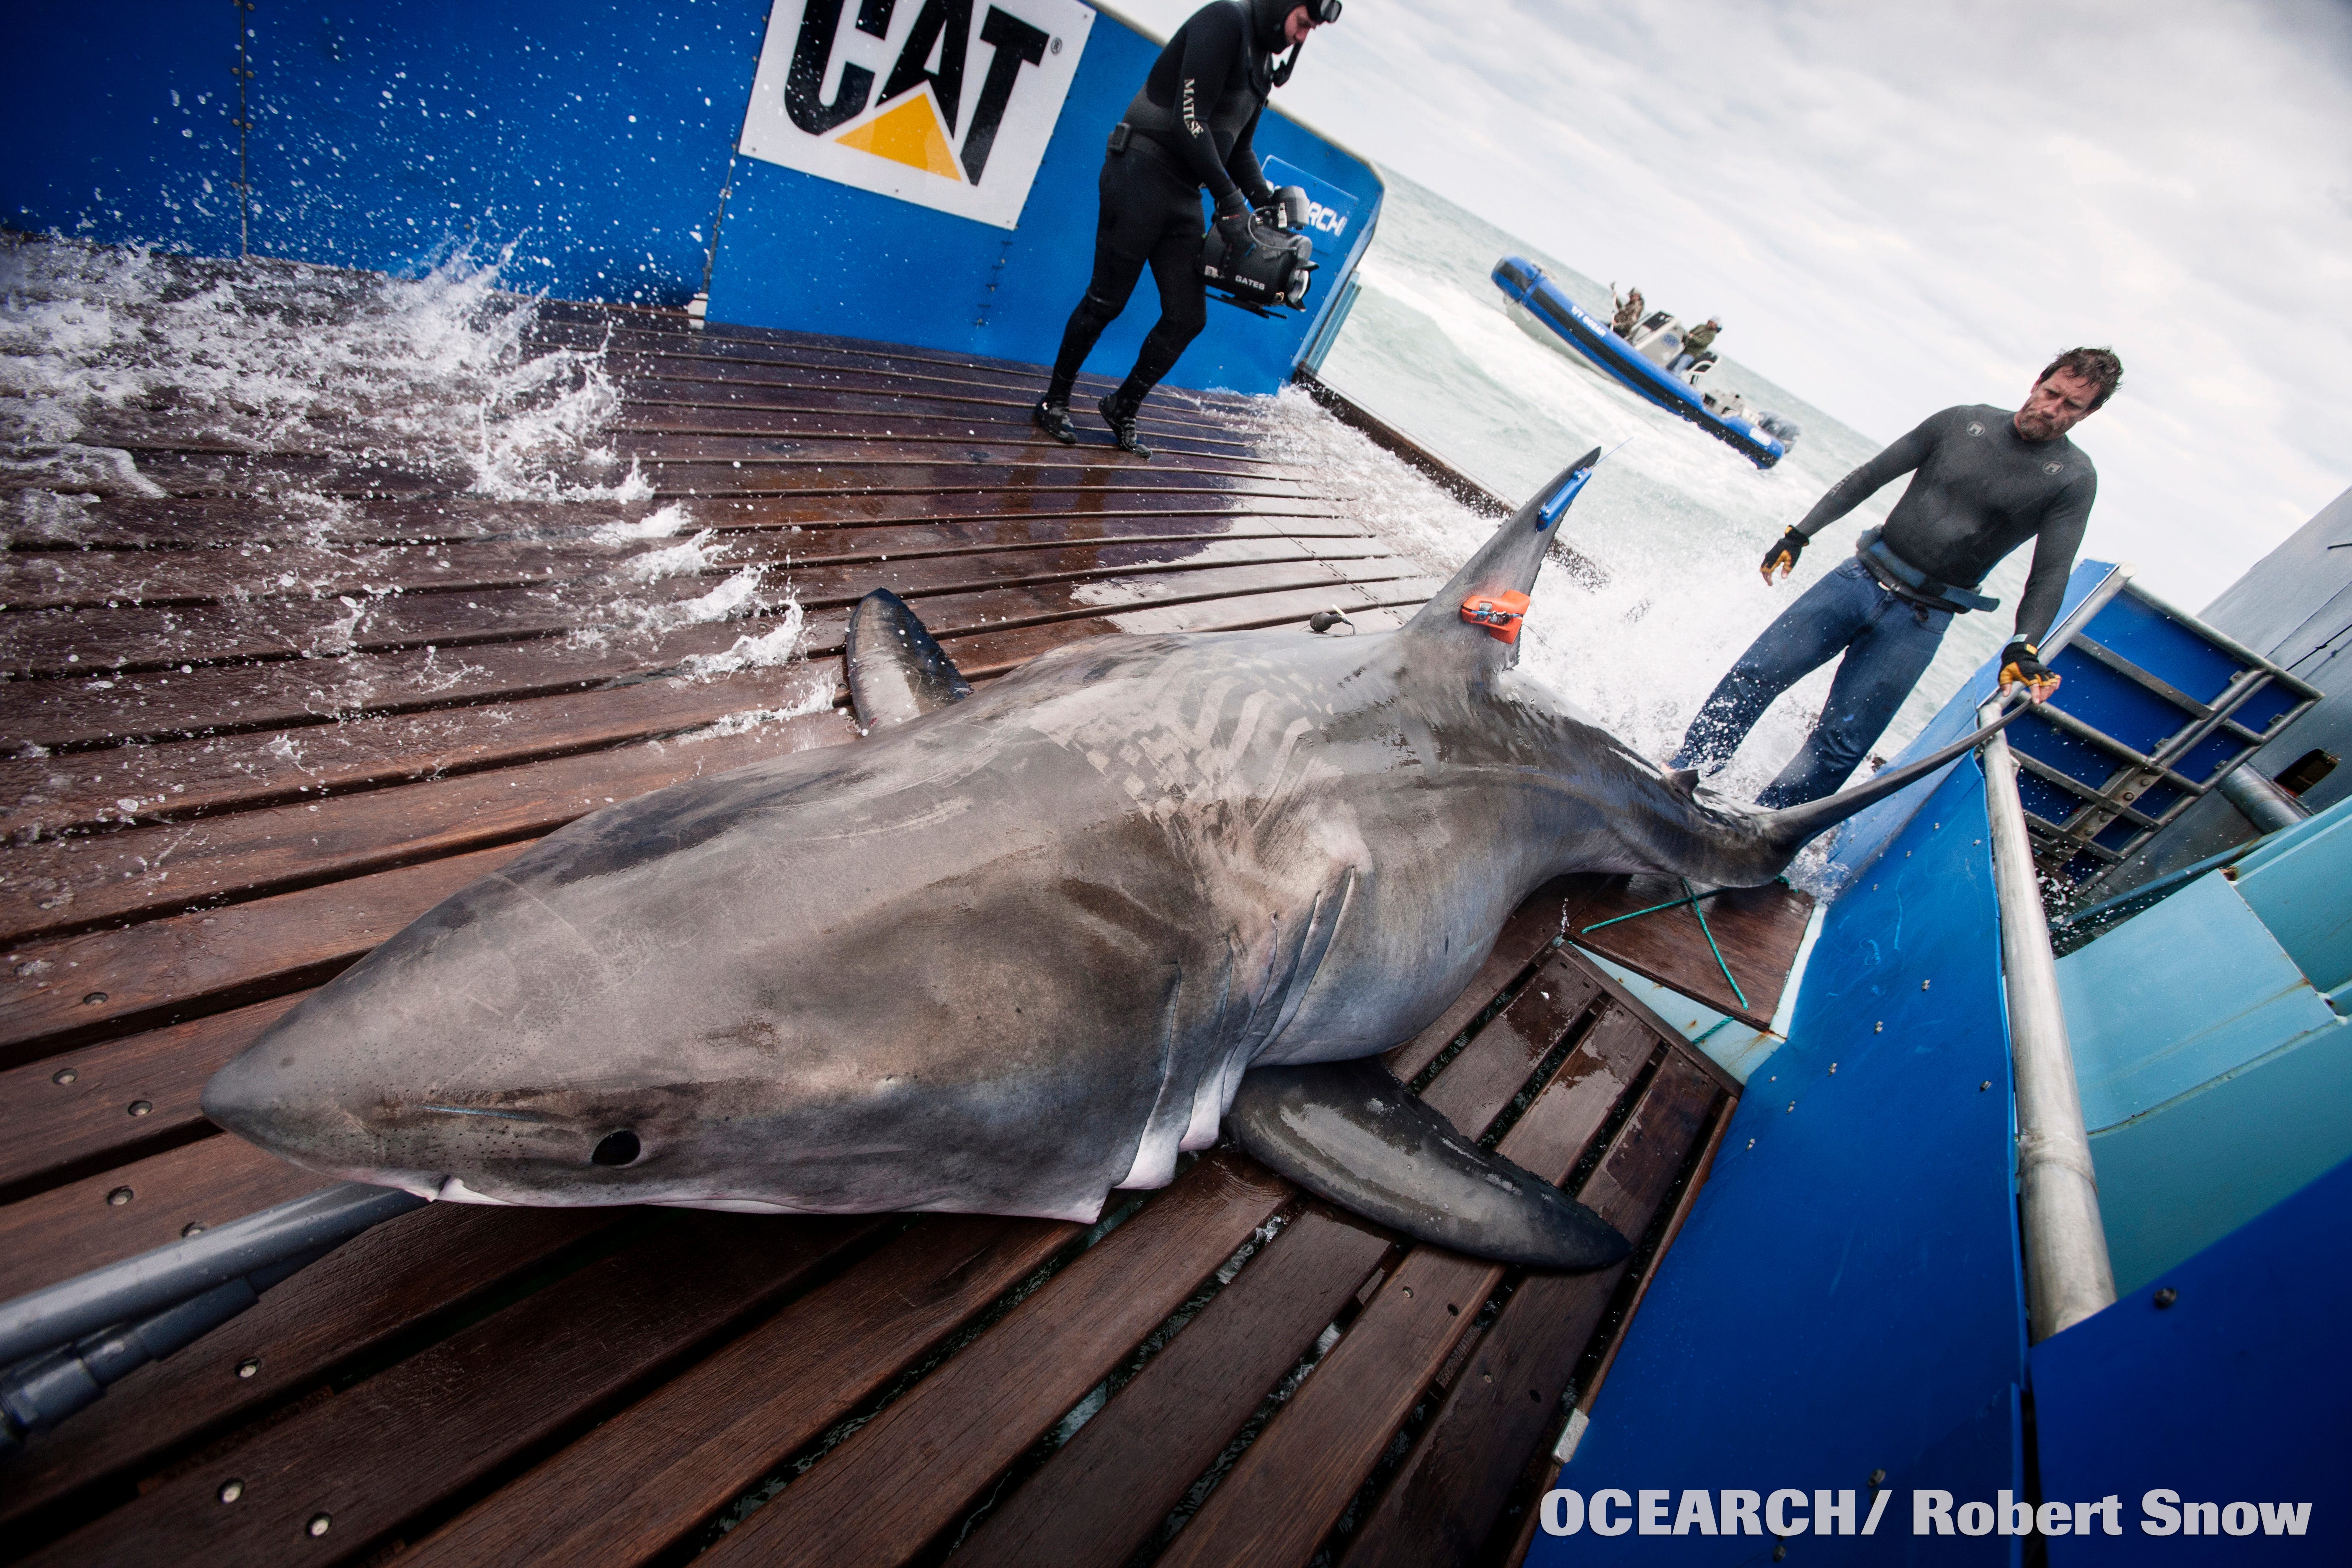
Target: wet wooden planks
(1757,932)
(249,742)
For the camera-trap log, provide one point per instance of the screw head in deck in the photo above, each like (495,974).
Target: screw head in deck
(2165,1297)
(119,1196)
(320,1524)
(248,1366)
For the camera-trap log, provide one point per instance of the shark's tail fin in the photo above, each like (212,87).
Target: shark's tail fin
(1790,829)
(1506,564)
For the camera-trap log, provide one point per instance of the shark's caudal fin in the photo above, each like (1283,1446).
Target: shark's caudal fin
(1506,564)
(1792,828)
(898,671)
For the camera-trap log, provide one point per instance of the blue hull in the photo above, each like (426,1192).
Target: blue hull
(1525,282)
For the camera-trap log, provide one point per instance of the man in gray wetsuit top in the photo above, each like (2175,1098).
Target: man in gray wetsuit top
(1986,480)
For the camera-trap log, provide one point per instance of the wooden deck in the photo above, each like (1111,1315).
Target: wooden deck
(243,745)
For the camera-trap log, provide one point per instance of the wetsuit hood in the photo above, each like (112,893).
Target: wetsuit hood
(1266,17)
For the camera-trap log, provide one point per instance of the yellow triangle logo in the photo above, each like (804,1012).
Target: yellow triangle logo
(910,135)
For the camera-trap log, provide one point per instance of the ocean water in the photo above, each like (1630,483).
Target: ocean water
(1678,519)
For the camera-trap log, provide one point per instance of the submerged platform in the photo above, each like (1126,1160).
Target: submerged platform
(250,736)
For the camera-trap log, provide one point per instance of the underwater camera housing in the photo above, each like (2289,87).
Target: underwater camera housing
(1280,263)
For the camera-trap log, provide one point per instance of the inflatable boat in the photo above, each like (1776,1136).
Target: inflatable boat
(1549,304)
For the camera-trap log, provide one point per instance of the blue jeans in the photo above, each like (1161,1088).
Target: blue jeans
(1887,641)
(1682,362)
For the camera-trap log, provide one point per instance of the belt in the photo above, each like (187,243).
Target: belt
(1126,137)
(1901,578)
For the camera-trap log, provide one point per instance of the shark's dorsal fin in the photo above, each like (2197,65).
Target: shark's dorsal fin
(1506,564)
(898,671)
(1685,780)
(1350,1133)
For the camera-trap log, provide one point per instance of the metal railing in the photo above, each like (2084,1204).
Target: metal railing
(2067,1275)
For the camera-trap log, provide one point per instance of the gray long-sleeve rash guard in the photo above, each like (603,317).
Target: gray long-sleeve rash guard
(1981,490)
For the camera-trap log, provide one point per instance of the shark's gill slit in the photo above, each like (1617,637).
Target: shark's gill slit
(616,1148)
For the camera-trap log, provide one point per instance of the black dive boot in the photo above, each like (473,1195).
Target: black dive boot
(1054,419)
(1120,417)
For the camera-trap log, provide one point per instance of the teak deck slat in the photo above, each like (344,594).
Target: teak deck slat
(478,1385)
(1109,1489)
(1443,1503)
(653,1475)
(102,578)
(146,872)
(74,1228)
(911,1471)
(1290,1487)
(202,962)
(57,1129)
(344,1308)
(1758,929)
(356,1459)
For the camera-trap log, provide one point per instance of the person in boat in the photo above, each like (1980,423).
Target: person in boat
(1694,344)
(1189,127)
(1984,481)
(1629,312)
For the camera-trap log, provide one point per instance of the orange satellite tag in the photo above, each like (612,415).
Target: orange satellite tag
(1500,614)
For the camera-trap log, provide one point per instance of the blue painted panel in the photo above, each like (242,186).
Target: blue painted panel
(1845,1295)
(2176,996)
(2180,1176)
(594,140)
(2164,647)
(2304,894)
(807,254)
(2235,1394)
(1861,838)
(2288,841)
(593,137)
(119,127)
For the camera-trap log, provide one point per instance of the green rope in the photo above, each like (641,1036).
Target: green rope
(1692,899)
(1719,964)
(1654,909)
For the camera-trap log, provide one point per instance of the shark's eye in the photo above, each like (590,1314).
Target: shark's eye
(617,1148)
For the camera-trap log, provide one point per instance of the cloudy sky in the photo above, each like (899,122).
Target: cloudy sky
(1898,207)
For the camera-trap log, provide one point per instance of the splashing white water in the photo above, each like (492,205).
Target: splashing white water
(769,650)
(105,352)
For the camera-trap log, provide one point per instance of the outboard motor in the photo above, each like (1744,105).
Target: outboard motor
(1279,265)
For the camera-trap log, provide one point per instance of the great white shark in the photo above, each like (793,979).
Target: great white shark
(1021,946)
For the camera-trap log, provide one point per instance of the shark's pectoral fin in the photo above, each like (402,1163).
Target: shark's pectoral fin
(1350,1133)
(898,671)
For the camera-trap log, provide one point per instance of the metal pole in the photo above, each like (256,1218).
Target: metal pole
(2261,801)
(139,1287)
(2067,1276)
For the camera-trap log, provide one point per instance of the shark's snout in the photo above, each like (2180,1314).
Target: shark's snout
(281,1096)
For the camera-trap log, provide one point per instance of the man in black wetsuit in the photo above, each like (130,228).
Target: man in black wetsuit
(1986,482)
(1190,127)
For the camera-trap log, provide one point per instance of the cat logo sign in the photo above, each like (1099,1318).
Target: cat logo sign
(949,104)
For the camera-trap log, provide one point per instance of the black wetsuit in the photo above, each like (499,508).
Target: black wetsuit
(1980,491)
(1191,127)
